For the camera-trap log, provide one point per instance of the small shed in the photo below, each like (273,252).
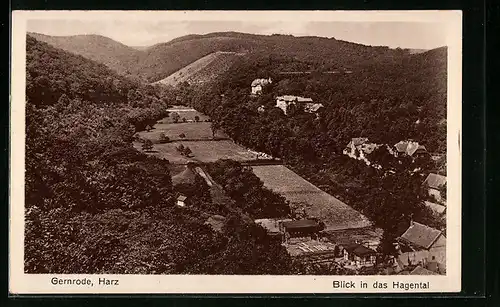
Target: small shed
(181,201)
(360,254)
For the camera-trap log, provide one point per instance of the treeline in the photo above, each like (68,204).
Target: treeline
(247,190)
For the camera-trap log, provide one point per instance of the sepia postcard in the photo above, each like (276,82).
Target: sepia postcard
(207,152)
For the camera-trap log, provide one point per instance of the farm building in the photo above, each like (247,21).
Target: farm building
(258,84)
(410,148)
(301,228)
(434,183)
(284,102)
(181,201)
(272,226)
(421,244)
(359,255)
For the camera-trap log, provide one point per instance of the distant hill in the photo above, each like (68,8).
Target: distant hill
(205,69)
(161,60)
(101,49)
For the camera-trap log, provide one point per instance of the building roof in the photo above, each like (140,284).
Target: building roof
(359,249)
(438,208)
(271,225)
(261,82)
(181,198)
(294,98)
(420,235)
(421,271)
(409,147)
(358,141)
(300,224)
(435,181)
(313,107)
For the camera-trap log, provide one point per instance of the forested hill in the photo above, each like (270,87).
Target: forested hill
(161,60)
(102,49)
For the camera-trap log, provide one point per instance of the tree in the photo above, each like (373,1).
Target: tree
(184,120)
(175,117)
(187,151)
(164,138)
(148,128)
(196,118)
(182,135)
(147,145)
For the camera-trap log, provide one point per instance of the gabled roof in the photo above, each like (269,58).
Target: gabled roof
(435,207)
(422,271)
(409,147)
(181,198)
(420,235)
(358,249)
(313,107)
(435,181)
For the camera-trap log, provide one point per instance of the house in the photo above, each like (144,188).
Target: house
(258,84)
(359,148)
(284,102)
(181,201)
(410,148)
(301,228)
(272,226)
(434,182)
(359,255)
(421,244)
(438,209)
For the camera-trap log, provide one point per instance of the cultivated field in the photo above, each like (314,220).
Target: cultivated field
(198,131)
(203,151)
(304,195)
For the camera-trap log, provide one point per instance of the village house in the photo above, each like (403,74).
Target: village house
(422,245)
(258,84)
(409,148)
(284,102)
(359,148)
(301,228)
(181,201)
(273,227)
(359,255)
(434,183)
(438,209)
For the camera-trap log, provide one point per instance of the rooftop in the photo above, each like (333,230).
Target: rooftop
(294,98)
(422,271)
(435,181)
(300,224)
(420,235)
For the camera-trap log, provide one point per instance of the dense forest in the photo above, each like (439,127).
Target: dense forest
(386,102)
(94,204)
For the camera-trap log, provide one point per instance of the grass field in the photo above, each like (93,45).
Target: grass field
(304,195)
(199,130)
(203,151)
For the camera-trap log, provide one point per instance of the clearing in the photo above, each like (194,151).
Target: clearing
(303,195)
(192,131)
(203,151)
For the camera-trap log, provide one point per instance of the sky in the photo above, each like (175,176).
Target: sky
(417,35)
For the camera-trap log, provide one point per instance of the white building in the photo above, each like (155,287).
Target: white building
(283,102)
(181,201)
(258,85)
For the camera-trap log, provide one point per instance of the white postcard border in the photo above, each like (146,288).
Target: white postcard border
(21,283)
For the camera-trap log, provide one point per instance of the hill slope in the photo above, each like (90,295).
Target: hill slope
(101,49)
(161,60)
(205,69)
